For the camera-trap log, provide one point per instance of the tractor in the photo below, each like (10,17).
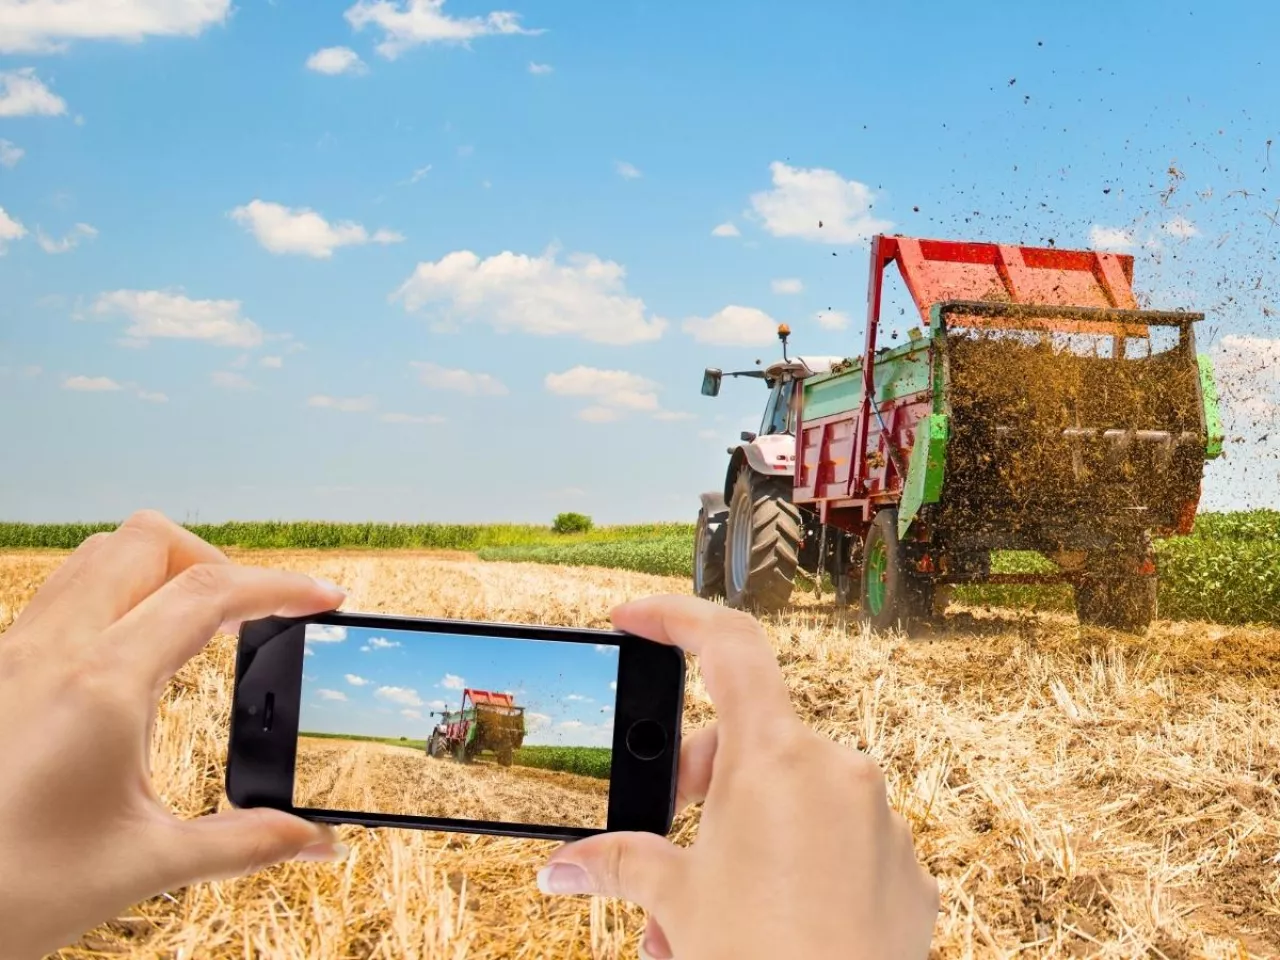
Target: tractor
(487,721)
(1036,409)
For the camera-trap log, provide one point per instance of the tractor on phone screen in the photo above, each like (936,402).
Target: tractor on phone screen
(487,722)
(1038,408)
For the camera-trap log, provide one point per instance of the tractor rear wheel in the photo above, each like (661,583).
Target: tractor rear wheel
(893,595)
(1126,603)
(505,756)
(763,543)
(708,556)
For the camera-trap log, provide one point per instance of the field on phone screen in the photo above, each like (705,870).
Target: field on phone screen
(466,727)
(1077,792)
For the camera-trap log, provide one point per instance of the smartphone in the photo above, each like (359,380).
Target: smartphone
(492,728)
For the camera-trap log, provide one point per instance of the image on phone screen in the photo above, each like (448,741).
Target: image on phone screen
(445,725)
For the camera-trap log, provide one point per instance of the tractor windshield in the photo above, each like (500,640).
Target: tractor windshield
(777,412)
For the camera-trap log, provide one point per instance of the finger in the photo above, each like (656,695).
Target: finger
(738,665)
(654,944)
(643,868)
(143,554)
(169,627)
(697,756)
(235,843)
(62,579)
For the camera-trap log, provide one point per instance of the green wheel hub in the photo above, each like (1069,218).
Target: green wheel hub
(875,572)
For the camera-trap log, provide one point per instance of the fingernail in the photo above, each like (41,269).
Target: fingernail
(650,950)
(330,585)
(563,878)
(324,853)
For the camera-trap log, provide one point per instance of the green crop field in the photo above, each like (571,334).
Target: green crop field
(1228,570)
(584,761)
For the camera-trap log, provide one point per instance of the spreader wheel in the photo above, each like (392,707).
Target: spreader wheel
(1118,603)
(505,756)
(708,556)
(460,752)
(893,595)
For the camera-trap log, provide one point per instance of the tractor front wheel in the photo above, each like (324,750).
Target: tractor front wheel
(436,746)
(708,556)
(763,544)
(893,595)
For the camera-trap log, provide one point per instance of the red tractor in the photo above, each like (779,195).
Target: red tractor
(487,721)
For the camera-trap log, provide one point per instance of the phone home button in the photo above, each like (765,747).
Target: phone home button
(646,740)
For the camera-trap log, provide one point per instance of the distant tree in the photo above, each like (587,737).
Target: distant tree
(572,523)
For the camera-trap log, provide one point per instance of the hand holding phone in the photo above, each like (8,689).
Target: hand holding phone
(798,853)
(492,728)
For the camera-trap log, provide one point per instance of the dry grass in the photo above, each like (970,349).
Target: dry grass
(1077,794)
(385,778)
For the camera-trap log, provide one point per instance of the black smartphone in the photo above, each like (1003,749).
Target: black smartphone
(495,728)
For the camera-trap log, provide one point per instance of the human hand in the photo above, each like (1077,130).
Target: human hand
(798,853)
(83,835)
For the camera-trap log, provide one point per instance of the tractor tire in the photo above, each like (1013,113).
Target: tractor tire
(1125,603)
(505,756)
(460,753)
(844,575)
(708,557)
(762,543)
(436,748)
(893,596)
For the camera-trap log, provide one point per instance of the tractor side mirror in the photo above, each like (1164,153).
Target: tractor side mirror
(711,382)
(747,436)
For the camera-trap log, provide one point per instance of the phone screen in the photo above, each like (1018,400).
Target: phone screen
(470,727)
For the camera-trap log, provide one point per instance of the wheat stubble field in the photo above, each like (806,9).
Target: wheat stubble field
(1077,794)
(385,778)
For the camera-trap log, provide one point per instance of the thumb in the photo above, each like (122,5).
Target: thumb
(234,843)
(643,868)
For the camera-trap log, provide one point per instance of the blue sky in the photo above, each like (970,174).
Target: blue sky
(413,260)
(386,683)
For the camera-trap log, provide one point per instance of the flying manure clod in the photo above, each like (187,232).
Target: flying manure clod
(1038,409)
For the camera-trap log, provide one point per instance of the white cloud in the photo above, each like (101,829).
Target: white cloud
(583,297)
(10,229)
(417,175)
(452,681)
(382,643)
(22,94)
(614,388)
(605,647)
(787,286)
(1181,227)
(230,380)
(46,26)
(802,199)
(410,418)
(81,231)
(357,681)
(405,696)
(536,720)
(325,633)
(457,381)
(158,314)
(733,326)
(344,404)
(627,171)
(1113,239)
(437,705)
(332,695)
(10,154)
(408,23)
(333,61)
(274,363)
(833,320)
(726,229)
(300,230)
(598,415)
(613,685)
(571,725)
(411,714)
(540,69)
(90,384)
(309,652)
(577,698)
